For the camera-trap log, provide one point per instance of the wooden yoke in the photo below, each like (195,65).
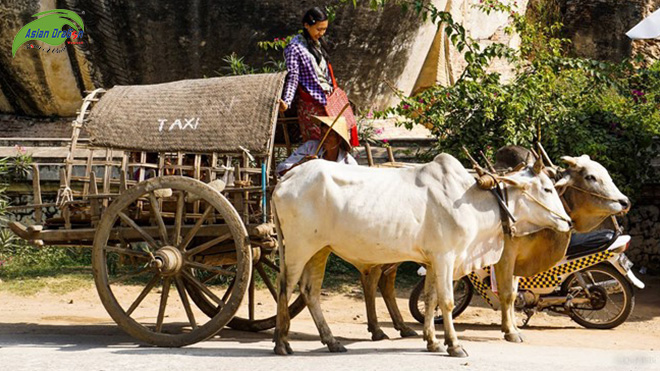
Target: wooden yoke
(486,180)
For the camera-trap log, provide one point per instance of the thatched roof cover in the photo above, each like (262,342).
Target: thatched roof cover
(204,115)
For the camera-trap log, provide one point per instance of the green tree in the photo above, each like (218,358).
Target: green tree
(571,105)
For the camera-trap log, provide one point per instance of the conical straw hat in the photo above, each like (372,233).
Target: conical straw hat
(340,127)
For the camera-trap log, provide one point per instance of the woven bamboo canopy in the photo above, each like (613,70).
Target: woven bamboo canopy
(218,114)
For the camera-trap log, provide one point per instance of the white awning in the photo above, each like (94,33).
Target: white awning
(649,28)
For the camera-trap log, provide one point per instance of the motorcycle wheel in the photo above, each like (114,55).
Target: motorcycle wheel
(611,304)
(463,291)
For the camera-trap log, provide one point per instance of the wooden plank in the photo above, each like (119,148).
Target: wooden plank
(143,163)
(370,156)
(390,154)
(85,236)
(246,194)
(161,164)
(88,170)
(123,173)
(106,176)
(36,184)
(213,175)
(179,162)
(95,210)
(197,167)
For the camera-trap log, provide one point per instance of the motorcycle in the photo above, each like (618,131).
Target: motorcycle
(593,285)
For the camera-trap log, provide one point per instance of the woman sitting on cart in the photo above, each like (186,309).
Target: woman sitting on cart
(335,147)
(310,76)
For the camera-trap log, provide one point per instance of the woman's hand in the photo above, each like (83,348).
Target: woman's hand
(283,106)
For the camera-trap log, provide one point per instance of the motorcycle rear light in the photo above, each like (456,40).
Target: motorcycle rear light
(625,248)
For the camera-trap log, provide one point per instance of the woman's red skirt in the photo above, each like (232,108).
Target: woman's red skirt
(308,107)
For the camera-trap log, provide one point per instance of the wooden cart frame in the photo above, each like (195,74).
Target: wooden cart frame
(164,211)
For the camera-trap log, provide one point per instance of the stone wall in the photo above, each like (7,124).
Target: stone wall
(597,28)
(643,225)
(154,41)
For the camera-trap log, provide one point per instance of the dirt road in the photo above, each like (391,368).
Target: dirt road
(73,332)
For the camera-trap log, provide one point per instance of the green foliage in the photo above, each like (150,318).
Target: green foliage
(16,167)
(571,105)
(367,131)
(19,259)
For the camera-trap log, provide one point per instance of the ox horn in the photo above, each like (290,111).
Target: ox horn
(544,155)
(536,155)
(538,166)
(570,161)
(519,167)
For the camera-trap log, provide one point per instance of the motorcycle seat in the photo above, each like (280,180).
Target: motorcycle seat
(590,243)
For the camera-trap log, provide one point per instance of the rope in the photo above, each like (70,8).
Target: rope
(546,207)
(592,193)
(331,126)
(64,195)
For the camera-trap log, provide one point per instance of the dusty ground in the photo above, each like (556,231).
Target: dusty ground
(53,331)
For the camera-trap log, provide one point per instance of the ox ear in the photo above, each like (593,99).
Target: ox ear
(511,182)
(564,181)
(570,161)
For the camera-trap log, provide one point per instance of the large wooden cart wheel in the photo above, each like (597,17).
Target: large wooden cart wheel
(259,313)
(148,248)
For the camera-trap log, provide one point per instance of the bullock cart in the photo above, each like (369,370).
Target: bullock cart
(171,192)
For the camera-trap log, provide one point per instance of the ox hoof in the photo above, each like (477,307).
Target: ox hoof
(283,349)
(457,351)
(408,332)
(336,348)
(379,335)
(434,347)
(514,337)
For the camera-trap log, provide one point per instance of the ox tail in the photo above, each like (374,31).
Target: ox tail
(283,319)
(280,245)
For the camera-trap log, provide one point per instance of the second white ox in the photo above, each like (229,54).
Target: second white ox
(434,214)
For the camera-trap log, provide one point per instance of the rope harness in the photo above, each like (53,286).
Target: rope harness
(501,195)
(563,198)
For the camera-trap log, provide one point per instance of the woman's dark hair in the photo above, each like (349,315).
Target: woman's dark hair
(311,17)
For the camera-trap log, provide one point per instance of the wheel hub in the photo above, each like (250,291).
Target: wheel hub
(598,297)
(168,260)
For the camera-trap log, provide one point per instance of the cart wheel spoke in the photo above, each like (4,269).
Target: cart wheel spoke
(196,228)
(226,295)
(143,294)
(163,304)
(178,217)
(141,231)
(271,265)
(203,288)
(210,268)
(209,244)
(154,250)
(155,209)
(185,301)
(130,252)
(259,319)
(211,278)
(126,276)
(264,276)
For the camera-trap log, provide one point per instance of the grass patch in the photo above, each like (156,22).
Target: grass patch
(62,284)
(27,270)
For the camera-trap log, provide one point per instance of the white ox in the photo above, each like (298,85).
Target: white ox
(434,214)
